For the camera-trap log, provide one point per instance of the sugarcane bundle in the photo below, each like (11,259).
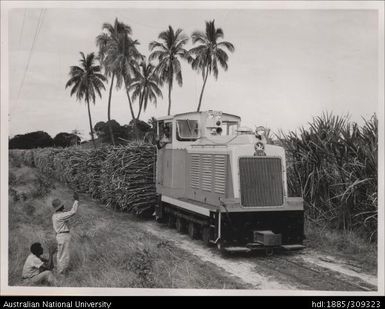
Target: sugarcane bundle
(61,166)
(16,155)
(127,180)
(94,163)
(44,160)
(77,169)
(27,157)
(69,167)
(122,177)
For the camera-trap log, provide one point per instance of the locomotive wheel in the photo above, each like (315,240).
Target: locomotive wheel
(192,230)
(206,235)
(180,226)
(159,219)
(269,251)
(171,221)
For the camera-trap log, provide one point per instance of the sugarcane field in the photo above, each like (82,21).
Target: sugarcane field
(192,150)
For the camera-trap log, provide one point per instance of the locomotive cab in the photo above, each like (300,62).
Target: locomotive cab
(225,184)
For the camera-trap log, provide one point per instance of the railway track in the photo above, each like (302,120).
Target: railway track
(321,278)
(285,271)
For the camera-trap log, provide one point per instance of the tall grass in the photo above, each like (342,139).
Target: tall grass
(108,249)
(333,165)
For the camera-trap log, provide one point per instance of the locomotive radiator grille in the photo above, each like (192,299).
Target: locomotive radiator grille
(219,173)
(261,181)
(208,172)
(195,171)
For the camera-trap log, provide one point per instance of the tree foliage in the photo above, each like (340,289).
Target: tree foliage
(145,86)
(122,133)
(119,57)
(37,139)
(205,57)
(168,51)
(86,81)
(64,139)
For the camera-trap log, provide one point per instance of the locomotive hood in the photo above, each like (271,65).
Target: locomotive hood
(226,140)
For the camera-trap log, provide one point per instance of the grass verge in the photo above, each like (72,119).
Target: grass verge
(108,248)
(346,245)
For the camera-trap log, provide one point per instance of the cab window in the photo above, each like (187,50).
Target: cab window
(165,132)
(229,127)
(187,130)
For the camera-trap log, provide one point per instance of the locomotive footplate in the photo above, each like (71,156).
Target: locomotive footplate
(256,246)
(264,240)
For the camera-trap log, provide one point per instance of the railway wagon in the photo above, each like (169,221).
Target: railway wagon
(225,184)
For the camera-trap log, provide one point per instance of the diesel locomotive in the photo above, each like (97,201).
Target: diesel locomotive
(225,184)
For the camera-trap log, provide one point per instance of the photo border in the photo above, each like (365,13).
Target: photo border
(6,6)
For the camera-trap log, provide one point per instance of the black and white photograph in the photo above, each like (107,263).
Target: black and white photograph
(192,148)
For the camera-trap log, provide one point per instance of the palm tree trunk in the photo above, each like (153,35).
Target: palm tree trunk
(90,120)
(130,103)
(109,110)
(129,99)
(169,99)
(140,106)
(137,117)
(131,110)
(203,88)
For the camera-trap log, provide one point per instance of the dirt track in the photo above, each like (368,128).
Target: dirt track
(305,270)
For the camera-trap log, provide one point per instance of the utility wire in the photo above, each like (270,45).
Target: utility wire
(41,23)
(22,27)
(38,27)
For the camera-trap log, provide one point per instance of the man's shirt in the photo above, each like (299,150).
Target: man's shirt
(59,219)
(31,266)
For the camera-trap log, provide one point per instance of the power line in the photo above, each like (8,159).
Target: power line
(38,27)
(22,26)
(42,21)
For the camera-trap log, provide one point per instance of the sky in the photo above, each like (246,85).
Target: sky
(288,65)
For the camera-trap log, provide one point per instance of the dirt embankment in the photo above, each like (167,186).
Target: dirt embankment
(111,249)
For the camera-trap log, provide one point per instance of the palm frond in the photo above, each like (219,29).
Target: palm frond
(228,45)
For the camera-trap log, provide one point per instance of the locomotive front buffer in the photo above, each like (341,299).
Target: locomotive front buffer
(225,184)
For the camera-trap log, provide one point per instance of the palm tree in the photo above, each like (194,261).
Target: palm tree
(145,86)
(205,57)
(86,80)
(118,55)
(168,51)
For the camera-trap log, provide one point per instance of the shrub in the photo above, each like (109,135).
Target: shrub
(31,140)
(64,139)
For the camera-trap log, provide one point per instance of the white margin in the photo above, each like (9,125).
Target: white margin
(289,5)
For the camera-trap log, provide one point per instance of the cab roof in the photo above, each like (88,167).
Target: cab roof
(191,113)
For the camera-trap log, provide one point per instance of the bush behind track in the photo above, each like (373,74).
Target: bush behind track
(122,177)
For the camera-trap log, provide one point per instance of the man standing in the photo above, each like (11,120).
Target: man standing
(60,225)
(38,269)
